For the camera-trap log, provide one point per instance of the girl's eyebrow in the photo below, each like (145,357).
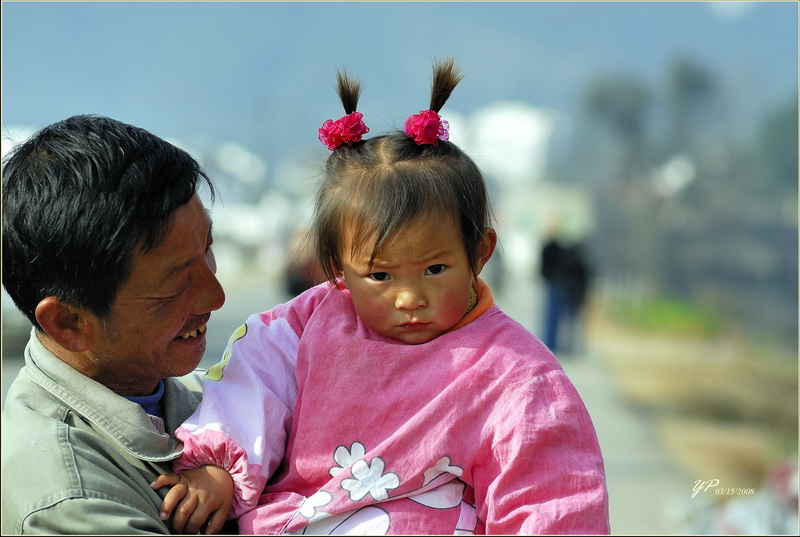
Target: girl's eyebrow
(381,264)
(427,258)
(436,253)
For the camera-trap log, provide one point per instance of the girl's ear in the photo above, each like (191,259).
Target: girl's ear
(485,249)
(70,327)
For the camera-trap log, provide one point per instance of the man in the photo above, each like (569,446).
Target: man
(107,251)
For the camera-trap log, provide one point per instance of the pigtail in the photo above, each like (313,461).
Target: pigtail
(427,127)
(349,90)
(446,76)
(349,128)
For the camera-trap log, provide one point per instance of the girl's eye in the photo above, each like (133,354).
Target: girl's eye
(435,269)
(379,276)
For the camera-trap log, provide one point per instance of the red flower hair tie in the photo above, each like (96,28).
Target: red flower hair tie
(346,129)
(427,127)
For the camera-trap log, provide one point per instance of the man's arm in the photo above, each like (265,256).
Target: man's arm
(91,516)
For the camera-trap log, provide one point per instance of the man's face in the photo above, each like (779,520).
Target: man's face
(156,327)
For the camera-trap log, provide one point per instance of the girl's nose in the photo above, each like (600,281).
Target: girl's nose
(410,299)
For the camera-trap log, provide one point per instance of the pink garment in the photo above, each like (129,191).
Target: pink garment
(328,427)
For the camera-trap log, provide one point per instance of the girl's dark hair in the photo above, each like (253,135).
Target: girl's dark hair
(78,198)
(381,184)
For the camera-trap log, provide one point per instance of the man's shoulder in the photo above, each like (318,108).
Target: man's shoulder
(46,442)
(193,382)
(38,462)
(29,411)
(52,456)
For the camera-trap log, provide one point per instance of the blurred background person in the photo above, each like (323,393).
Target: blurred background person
(565,271)
(302,269)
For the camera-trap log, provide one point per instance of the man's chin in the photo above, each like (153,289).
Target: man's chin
(187,355)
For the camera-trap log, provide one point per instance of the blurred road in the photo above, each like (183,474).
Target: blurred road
(644,487)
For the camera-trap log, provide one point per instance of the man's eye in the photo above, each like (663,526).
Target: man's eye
(435,269)
(177,294)
(379,276)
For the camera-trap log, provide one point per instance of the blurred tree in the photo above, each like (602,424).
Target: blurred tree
(727,237)
(692,104)
(734,246)
(617,109)
(621,103)
(778,148)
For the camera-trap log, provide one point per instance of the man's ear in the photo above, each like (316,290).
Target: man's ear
(70,327)
(485,249)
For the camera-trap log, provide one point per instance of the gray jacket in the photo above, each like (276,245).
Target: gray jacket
(79,459)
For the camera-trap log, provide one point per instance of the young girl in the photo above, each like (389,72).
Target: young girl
(397,397)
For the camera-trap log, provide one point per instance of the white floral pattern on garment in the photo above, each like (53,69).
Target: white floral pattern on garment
(369,520)
(310,505)
(444,496)
(370,479)
(443,466)
(345,457)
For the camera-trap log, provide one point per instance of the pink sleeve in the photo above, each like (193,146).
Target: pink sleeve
(540,470)
(213,447)
(244,419)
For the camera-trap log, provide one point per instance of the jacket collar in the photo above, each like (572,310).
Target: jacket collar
(124,423)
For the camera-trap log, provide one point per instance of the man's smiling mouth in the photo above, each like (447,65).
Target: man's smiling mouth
(194,333)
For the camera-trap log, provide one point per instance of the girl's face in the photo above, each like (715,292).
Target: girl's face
(418,286)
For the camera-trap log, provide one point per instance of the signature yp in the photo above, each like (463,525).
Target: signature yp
(703,485)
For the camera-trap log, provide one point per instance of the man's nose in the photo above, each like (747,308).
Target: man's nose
(211,296)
